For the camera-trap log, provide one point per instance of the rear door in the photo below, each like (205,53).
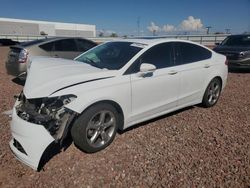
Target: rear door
(194,64)
(65,48)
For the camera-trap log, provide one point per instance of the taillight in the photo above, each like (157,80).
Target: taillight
(23,56)
(226,62)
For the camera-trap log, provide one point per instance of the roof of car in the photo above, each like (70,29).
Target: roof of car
(240,35)
(149,41)
(46,39)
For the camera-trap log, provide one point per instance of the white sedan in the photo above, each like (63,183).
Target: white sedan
(112,86)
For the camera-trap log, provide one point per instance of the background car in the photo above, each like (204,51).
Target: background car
(237,50)
(8,42)
(68,48)
(112,86)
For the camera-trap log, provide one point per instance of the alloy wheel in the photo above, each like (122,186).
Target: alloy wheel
(101,128)
(213,92)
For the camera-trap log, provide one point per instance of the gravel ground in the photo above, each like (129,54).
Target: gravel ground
(195,147)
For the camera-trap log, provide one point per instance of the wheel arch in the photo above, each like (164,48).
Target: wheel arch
(220,79)
(115,105)
(211,77)
(204,102)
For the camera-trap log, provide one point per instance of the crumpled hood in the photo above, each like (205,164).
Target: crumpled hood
(48,75)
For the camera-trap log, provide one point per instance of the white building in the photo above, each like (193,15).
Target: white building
(10,26)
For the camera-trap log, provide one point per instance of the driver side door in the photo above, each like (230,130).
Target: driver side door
(155,93)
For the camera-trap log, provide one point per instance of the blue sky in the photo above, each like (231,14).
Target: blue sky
(121,16)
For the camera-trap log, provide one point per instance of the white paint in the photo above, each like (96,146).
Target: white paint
(141,98)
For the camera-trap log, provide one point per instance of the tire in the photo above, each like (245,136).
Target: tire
(95,128)
(212,93)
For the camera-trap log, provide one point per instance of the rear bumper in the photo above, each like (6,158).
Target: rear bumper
(33,139)
(15,68)
(245,63)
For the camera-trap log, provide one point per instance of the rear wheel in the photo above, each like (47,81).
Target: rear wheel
(96,128)
(212,93)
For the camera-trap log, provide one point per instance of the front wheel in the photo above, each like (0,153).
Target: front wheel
(96,128)
(212,93)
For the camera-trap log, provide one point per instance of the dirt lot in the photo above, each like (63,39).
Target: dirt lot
(195,147)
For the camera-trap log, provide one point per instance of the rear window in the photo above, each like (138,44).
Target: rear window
(241,40)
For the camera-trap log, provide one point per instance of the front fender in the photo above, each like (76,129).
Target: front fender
(118,91)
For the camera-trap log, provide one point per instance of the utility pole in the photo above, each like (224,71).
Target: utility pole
(208,29)
(227,31)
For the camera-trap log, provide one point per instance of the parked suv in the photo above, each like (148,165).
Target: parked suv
(237,50)
(68,48)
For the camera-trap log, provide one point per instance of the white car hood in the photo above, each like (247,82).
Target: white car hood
(48,75)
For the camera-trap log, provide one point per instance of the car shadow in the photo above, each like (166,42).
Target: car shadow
(235,70)
(55,148)
(155,119)
(52,150)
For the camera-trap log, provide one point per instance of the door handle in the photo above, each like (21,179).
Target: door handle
(55,56)
(207,66)
(173,72)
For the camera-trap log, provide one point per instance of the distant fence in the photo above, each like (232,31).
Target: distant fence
(202,39)
(21,38)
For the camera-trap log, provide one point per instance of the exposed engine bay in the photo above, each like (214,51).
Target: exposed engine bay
(48,112)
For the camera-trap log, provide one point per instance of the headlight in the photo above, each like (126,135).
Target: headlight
(49,112)
(58,101)
(43,109)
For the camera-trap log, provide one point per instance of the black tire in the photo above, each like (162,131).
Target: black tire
(82,130)
(211,95)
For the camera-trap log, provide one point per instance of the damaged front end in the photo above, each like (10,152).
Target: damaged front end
(36,123)
(49,112)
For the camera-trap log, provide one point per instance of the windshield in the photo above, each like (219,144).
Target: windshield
(111,55)
(237,41)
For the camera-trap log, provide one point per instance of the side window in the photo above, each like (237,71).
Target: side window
(65,45)
(84,45)
(48,46)
(188,53)
(159,55)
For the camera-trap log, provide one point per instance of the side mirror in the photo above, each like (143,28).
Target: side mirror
(147,69)
(217,43)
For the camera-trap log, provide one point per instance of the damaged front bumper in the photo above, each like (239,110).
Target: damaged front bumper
(30,139)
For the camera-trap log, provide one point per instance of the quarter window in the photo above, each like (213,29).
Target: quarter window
(65,45)
(48,46)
